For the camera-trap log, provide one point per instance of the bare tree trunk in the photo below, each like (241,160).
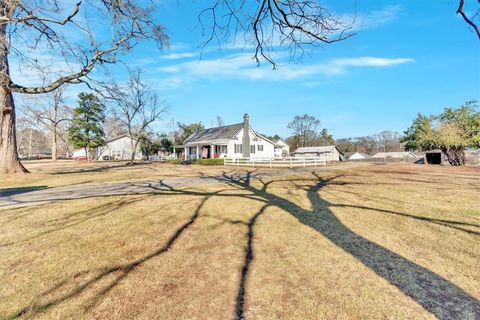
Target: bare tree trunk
(134,149)
(30,144)
(9,161)
(456,157)
(54,143)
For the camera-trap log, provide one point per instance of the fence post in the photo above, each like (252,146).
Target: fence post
(290,163)
(304,162)
(315,161)
(270,163)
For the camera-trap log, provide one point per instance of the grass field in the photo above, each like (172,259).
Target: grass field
(373,242)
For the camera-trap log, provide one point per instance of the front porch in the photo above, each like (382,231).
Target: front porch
(205,151)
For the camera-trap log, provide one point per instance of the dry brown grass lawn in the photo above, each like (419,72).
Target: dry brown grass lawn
(376,242)
(68,172)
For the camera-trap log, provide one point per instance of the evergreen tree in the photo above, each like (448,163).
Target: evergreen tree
(86,129)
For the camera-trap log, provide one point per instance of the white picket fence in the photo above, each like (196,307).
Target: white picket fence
(289,162)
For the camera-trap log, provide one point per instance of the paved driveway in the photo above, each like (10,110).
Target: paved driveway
(28,196)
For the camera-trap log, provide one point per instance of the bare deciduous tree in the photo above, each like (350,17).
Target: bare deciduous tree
(296,24)
(305,128)
(136,105)
(51,112)
(28,26)
(388,141)
(220,121)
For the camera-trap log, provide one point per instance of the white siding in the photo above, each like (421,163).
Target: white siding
(119,149)
(267,152)
(332,155)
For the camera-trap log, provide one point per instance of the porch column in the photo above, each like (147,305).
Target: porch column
(174,153)
(212,151)
(186,153)
(198,153)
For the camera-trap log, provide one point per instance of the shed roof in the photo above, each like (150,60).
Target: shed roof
(315,149)
(394,155)
(119,137)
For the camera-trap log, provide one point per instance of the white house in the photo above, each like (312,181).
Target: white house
(331,152)
(119,148)
(281,149)
(233,141)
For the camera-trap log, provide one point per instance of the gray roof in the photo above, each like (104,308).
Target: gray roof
(315,149)
(217,133)
(394,155)
(119,137)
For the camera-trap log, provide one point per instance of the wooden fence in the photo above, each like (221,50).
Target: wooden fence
(290,162)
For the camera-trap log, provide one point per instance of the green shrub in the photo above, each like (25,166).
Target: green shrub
(209,162)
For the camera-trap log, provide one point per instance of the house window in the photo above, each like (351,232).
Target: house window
(260,147)
(252,149)
(238,148)
(221,149)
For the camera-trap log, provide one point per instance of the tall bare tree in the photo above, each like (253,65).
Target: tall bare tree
(51,112)
(28,26)
(136,105)
(306,128)
(388,141)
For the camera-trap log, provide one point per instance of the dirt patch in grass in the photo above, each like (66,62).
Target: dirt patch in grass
(366,243)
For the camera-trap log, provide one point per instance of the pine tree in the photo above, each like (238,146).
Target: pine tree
(86,129)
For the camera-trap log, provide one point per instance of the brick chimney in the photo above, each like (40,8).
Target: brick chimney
(246,136)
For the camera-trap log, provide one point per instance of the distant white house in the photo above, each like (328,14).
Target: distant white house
(401,155)
(281,149)
(331,152)
(232,141)
(357,156)
(118,148)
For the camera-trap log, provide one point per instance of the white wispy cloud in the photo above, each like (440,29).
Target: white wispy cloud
(179,55)
(383,16)
(373,19)
(242,66)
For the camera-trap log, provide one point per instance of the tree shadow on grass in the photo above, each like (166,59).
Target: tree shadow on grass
(240,301)
(71,220)
(7,192)
(457,225)
(118,272)
(434,293)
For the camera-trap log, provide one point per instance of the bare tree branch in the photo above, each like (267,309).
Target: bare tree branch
(467,19)
(136,105)
(295,24)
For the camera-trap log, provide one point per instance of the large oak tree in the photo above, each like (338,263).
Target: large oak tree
(29,30)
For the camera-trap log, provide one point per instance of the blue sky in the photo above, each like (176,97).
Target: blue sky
(406,57)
